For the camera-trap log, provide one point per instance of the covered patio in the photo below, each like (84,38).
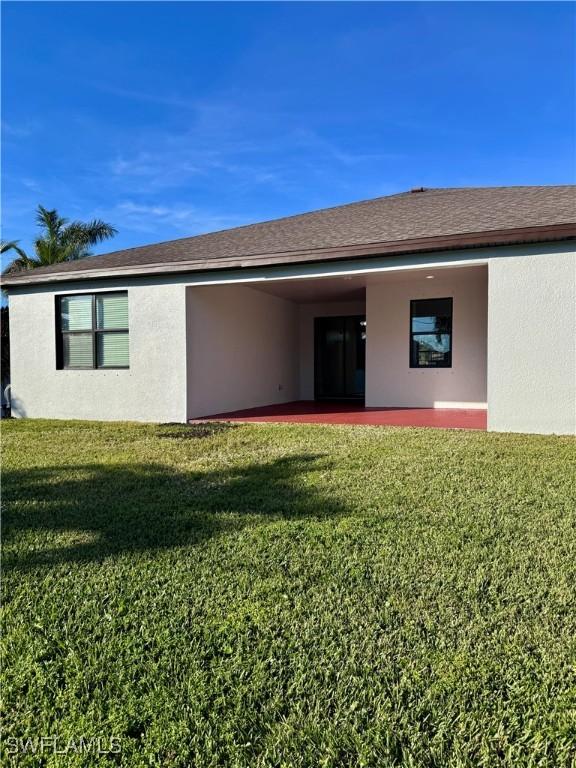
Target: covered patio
(346,412)
(340,349)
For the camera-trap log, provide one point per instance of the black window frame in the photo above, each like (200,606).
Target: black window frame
(447,363)
(94,331)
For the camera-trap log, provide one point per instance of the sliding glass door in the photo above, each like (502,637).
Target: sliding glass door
(340,357)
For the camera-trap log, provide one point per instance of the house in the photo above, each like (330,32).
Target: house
(434,298)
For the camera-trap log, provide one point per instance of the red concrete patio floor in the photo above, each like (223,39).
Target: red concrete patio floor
(311,412)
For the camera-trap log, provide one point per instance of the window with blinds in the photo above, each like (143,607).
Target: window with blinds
(92,330)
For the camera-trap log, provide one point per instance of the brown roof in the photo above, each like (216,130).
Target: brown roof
(419,220)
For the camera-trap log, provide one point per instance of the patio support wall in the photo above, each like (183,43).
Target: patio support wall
(532,343)
(242,349)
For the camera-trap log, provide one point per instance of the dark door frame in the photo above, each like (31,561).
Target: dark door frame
(317,331)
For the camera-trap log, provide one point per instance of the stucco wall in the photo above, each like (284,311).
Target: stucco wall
(242,349)
(531,339)
(152,389)
(307,313)
(532,344)
(389,379)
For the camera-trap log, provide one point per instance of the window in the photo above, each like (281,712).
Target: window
(431,333)
(92,330)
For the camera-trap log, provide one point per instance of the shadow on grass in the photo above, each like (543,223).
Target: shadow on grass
(174,431)
(96,511)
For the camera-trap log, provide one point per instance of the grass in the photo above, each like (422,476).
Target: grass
(289,596)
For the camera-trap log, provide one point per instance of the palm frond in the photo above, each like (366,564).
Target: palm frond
(50,221)
(50,252)
(21,264)
(58,241)
(22,260)
(11,245)
(88,234)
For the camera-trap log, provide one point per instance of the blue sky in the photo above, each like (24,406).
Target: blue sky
(172,119)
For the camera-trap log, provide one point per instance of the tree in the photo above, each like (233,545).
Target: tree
(60,241)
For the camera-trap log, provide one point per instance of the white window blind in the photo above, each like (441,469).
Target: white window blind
(112,350)
(112,311)
(76,313)
(77,350)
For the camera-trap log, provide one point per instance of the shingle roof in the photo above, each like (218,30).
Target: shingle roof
(400,220)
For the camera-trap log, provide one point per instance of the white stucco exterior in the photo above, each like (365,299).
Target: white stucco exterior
(210,342)
(152,389)
(389,379)
(532,343)
(242,349)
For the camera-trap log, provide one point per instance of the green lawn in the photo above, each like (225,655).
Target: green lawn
(289,595)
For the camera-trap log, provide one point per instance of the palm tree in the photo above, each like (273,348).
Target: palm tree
(60,241)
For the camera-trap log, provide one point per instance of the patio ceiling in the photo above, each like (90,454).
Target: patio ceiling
(353,287)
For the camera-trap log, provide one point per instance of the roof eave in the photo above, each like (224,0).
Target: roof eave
(483,239)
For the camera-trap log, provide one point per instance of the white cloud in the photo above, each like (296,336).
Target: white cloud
(165,100)
(31,184)
(21,131)
(230,146)
(146,164)
(177,218)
